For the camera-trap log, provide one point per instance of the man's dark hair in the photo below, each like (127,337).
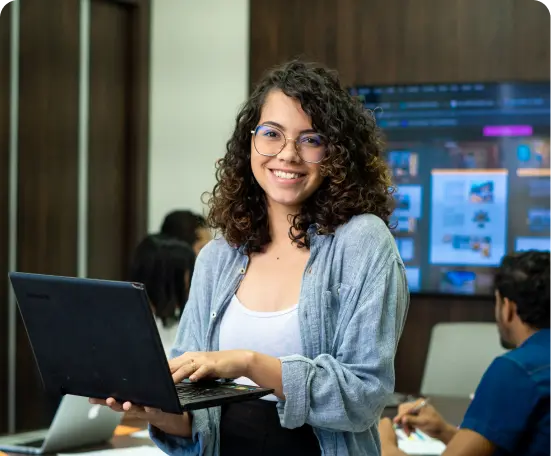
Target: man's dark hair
(524,279)
(183,225)
(162,263)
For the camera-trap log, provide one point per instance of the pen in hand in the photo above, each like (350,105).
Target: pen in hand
(417,408)
(413,410)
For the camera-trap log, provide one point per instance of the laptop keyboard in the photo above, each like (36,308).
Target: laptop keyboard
(33,443)
(188,392)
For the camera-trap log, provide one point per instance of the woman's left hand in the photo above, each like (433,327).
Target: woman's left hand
(201,365)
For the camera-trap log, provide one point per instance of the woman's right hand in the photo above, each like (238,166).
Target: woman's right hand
(169,423)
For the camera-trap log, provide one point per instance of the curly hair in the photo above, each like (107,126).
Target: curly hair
(524,279)
(356,179)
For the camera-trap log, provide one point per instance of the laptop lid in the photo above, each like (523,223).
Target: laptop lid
(95,338)
(77,423)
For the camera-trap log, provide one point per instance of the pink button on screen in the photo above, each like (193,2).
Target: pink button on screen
(508,130)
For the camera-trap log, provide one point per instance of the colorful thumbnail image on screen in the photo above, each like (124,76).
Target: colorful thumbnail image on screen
(538,220)
(482,192)
(403,163)
(533,154)
(471,165)
(478,244)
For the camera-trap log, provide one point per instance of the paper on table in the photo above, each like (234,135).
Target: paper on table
(143,434)
(132,451)
(424,448)
(419,443)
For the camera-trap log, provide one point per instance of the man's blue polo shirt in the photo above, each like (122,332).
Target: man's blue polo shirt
(511,403)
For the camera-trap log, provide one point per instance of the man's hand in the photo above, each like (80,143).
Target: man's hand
(427,419)
(387,434)
(389,440)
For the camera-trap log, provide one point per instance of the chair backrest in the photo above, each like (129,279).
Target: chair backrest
(459,353)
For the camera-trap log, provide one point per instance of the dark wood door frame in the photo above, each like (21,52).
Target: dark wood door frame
(117,137)
(138,140)
(47,202)
(5,67)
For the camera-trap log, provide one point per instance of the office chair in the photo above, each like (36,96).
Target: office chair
(458,355)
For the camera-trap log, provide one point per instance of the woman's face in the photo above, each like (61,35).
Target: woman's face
(286,179)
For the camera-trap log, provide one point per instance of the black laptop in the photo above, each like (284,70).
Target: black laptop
(98,338)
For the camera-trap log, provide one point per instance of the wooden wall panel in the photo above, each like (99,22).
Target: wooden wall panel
(138,111)
(5,46)
(48,161)
(118,131)
(108,140)
(404,41)
(408,41)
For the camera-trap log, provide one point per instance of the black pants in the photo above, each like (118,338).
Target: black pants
(252,428)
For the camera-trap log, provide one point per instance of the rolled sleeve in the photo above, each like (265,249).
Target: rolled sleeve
(179,446)
(347,392)
(296,374)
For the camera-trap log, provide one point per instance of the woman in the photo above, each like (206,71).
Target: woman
(302,202)
(165,266)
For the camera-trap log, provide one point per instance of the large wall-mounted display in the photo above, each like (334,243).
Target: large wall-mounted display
(471,165)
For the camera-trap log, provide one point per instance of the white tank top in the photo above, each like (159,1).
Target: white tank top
(275,334)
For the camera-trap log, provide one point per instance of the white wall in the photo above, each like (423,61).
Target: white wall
(199,77)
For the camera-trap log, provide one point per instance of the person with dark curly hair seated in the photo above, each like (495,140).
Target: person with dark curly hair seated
(509,414)
(165,266)
(304,292)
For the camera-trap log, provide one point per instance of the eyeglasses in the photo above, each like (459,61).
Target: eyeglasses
(270,141)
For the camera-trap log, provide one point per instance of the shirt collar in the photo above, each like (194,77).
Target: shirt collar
(538,338)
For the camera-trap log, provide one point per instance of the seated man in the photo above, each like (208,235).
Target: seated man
(509,414)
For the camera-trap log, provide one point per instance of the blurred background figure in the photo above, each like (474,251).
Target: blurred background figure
(188,227)
(165,266)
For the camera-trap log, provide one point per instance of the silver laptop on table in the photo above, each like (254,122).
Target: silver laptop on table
(77,423)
